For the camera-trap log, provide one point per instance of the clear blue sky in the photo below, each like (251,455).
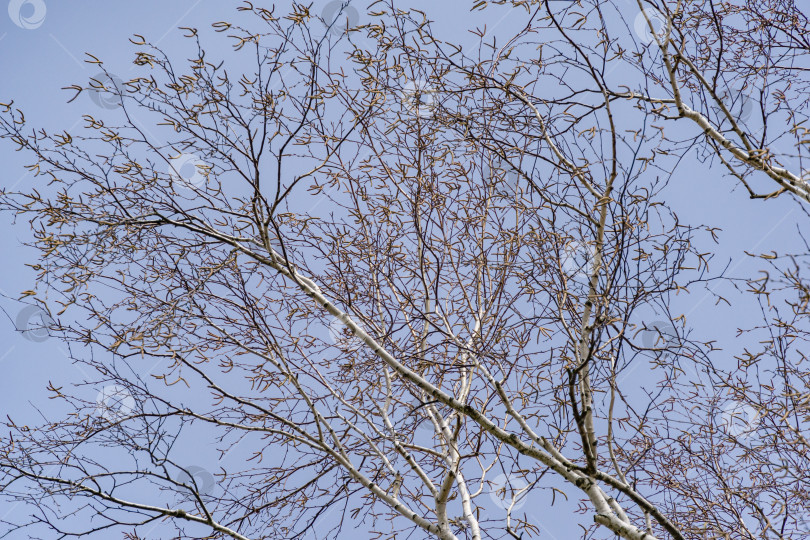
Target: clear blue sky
(36,62)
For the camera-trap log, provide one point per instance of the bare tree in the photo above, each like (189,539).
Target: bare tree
(408,282)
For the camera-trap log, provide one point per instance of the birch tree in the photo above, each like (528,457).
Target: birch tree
(405,278)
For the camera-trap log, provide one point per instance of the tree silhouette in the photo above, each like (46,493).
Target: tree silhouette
(406,280)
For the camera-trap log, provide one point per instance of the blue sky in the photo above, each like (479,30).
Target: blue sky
(36,62)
